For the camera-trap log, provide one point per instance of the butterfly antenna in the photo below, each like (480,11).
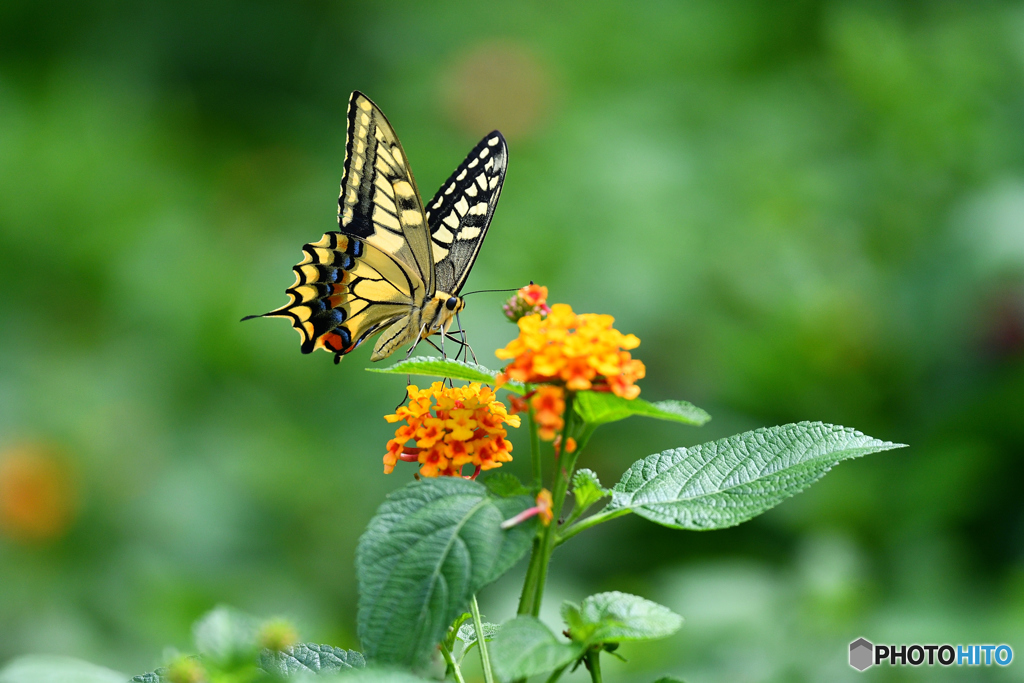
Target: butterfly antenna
(483,291)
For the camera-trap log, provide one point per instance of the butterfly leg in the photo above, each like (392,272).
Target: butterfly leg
(464,337)
(460,342)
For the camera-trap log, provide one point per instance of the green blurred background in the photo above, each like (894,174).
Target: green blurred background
(805,210)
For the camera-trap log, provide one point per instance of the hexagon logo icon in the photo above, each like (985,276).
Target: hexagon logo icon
(861,651)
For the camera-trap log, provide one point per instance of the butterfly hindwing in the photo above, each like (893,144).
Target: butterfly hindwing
(460,213)
(345,290)
(379,201)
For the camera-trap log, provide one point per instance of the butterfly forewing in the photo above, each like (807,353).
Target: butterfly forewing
(460,212)
(379,201)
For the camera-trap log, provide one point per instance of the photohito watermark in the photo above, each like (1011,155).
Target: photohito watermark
(864,654)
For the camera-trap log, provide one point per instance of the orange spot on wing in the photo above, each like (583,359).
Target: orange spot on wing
(333,341)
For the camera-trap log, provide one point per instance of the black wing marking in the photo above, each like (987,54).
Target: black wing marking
(461,211)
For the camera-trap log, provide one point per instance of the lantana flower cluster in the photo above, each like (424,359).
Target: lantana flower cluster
(452,427)
(529,300)
(577,351)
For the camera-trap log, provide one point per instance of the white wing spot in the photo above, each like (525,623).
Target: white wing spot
(473,163)
(479,209)
(494,182)
(493,141)
(471,190)
(462,206)
(450,189)
(451,221)
(481,182)
(489,165)
(437,204)
(462,175)
(484,152)
(469,233)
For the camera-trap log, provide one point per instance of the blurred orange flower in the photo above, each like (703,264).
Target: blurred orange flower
(548,404)
(578,351)
(36,495)
(452,427)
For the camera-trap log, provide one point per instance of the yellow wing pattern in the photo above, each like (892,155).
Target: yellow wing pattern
(345,290)
(379,201)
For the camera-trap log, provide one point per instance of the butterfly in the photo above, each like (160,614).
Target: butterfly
(392,266)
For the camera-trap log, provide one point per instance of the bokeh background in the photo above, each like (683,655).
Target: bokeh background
(806,210)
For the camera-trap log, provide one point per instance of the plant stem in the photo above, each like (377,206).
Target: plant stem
(594,665)
(585,524)
(452,664)
(481,641)
(556,674)
(563,474)
(530,582)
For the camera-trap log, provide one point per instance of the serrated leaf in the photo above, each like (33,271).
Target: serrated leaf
(504,484)
(601,407)
(306,658)
(587,489)
(726,482)
(429,548)
(614,617)
(56,669)
(467,634)
(446,368)
(226,635)
(526,647)
(151,677)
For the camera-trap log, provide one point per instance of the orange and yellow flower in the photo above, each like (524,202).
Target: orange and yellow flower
(578,351)
(452,427)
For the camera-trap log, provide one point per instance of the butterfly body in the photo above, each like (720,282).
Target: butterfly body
(392,267)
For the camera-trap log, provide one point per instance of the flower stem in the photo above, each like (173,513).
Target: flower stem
(594,664)
(481,641)
(452,664)
(563,474)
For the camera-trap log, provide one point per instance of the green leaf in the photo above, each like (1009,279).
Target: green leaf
(586,489)
(467,634)
(600,407)
(614,617)
(504,484)
(669,679)
(723,483)
(526,647)
(227,636)
(306,658)
(54,669)
(429,366)
(429,548)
